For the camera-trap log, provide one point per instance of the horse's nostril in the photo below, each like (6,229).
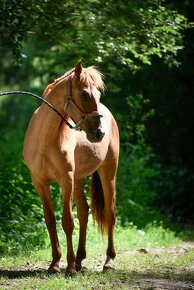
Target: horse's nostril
(95,136)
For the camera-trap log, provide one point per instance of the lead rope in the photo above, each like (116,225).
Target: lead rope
(39,98)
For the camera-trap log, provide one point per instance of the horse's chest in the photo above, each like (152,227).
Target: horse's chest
(88,159)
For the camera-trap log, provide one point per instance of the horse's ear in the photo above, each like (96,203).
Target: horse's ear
(78,69)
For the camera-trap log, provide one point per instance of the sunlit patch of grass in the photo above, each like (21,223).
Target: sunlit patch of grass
(153,235)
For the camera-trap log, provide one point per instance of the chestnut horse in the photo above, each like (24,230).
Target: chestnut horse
(59,151)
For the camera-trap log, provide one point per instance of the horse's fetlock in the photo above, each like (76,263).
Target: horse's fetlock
(111,253)
(81,255)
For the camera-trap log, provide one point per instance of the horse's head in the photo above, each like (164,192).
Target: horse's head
(83,100)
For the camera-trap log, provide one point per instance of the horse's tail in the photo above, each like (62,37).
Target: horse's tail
(97,202)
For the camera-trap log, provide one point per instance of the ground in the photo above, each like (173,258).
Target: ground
(141,268)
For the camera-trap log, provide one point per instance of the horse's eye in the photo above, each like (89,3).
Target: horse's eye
(85,95)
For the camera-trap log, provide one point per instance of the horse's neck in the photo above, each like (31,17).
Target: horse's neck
(50,121)
(58,95)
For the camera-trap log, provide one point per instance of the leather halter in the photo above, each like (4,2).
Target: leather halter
(79,116)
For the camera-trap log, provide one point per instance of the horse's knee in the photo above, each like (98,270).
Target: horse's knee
(111,252)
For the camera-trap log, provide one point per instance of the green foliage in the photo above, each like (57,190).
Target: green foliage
(174,186)
(129,32)
(21,224)
(135,195)
(154,234)
(135,175)
(21,221)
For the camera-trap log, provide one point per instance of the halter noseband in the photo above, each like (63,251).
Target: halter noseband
(80,116)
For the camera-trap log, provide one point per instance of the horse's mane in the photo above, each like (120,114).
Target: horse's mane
(52,85)
(90,76)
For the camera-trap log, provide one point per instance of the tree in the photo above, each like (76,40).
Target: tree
(128,32)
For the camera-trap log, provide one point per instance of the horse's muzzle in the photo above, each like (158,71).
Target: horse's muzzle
(96,136)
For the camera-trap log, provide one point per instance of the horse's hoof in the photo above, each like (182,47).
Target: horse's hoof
(78,267)
(54,269)
(108,266)
(81,269)
(70,273)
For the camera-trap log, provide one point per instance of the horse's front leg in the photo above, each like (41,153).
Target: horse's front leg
(43,190)
(67,185)
(82,213)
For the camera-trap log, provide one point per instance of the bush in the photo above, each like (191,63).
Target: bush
(136,191)
(21,220)
(174,185)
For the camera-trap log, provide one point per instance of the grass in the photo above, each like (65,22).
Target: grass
(146,259)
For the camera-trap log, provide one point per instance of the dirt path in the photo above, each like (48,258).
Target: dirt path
(166,276)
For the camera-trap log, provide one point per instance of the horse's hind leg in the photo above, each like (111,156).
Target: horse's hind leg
(82,212)
(107,177)
(43,190)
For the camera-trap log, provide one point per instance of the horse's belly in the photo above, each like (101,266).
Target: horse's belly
(88,159)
